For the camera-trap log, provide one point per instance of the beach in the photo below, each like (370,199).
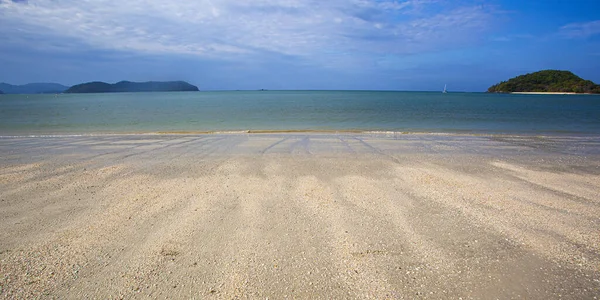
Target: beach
(549,93)
(300,215)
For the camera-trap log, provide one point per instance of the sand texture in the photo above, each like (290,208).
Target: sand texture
(300,216)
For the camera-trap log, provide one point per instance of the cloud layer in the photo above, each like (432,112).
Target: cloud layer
(228,29)
(581,30)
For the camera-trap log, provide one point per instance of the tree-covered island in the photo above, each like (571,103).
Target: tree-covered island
(547,81)
(128,86)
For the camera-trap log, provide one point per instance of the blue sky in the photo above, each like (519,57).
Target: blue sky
(298,44)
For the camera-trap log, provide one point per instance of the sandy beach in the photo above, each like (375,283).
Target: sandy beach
(549,93)
(330,216)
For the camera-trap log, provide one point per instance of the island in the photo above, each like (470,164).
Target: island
(547,82)
(33,88)
(1,92)
(128,86)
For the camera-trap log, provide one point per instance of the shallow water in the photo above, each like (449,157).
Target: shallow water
(299,111)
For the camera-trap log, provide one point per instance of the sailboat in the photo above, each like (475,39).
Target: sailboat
(444,91)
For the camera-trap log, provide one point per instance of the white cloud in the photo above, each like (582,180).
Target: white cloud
(229,28)
(511,37)
(580,30)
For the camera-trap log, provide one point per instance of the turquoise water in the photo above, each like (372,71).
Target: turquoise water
(298,110)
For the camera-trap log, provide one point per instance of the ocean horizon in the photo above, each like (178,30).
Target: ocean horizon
(298,111)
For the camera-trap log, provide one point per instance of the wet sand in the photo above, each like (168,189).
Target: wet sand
(300,216)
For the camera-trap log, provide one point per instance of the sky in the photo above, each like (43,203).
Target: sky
(298,44)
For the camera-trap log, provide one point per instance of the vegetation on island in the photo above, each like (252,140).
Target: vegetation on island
(550,81)
(128,86)
(33,88)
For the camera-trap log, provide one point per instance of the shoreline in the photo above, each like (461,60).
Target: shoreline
(549,93)
(299,132)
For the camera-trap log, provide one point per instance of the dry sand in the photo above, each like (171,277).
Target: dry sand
(300,216)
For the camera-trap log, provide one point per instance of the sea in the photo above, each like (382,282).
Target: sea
(298,111)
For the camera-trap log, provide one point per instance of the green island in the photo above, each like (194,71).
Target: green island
(547,81)
(128,86)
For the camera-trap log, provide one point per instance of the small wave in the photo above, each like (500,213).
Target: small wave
(57,135)
(386,133)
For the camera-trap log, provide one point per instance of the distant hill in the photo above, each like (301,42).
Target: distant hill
(128,86)
(546,81)
(33,88)
(1,92)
